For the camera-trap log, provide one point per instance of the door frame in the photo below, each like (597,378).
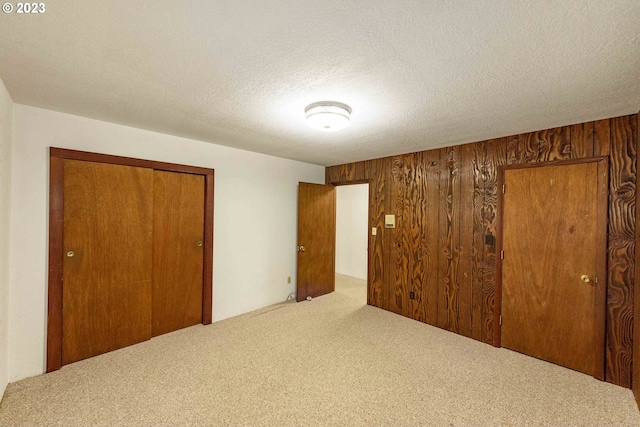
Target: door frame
(601,252)
(355,182)
(57,156)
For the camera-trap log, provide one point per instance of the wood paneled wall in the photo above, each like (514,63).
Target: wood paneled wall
(443,250)
(635,383)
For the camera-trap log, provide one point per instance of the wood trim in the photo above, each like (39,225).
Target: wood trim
(601,267)
(127,161)
(335,230)
(551,163)
(635,377)
(497,309)
(207,296)
(370,225)
(353,182)
(56,236)
(601,253)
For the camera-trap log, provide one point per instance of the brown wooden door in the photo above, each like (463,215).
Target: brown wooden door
(178,236)
(316,240)
(106,302)
(553,281)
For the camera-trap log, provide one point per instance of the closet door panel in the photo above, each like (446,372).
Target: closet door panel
(178,243)
(107,267)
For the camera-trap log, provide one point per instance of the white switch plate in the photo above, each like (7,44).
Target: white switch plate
(374,231)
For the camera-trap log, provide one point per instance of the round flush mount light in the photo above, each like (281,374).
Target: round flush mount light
(328,116)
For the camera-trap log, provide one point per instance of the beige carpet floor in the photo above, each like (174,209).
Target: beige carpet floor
(332,361)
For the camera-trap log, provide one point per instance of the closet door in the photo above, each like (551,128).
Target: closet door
(107,261)
(178,243)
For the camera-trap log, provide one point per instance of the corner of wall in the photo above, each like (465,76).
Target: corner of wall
(6,140)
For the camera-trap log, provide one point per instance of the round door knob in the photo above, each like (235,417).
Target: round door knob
(199,243)
(585,278)
(70,254)
(301,248)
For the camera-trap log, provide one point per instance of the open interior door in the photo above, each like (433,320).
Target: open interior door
(316,240)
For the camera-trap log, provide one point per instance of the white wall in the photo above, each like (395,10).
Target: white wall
(352,212)
(6,118)
(254,219)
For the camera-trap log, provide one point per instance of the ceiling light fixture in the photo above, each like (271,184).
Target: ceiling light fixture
(328,116)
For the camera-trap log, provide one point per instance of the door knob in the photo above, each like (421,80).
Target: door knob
(585,278)
(301,248)
(199,243)
(70,254)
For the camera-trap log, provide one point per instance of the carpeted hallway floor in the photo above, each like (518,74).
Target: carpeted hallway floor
(332,361)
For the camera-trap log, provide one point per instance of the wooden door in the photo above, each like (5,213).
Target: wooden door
(316,240)
(178,236)
(101,250)
(553,278)
(108,220)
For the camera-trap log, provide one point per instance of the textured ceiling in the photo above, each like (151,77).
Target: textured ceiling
(418,74)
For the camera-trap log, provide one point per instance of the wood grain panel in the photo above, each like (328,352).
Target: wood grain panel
(444,233)
(602,138)
(522,148)
(466,239)
(332,174)
(553,144)
(477,309)
(496,155)
(317,234)
(108,227)
(399,292)
(414,237)
(582,140)
(514,153)
(345,173)
(636,312)
(547,311)
(622,223)
(431,163)
(453,240)
(178,245)
(389,205)
(376,171)
(358,172)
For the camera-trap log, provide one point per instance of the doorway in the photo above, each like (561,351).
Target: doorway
(316,246)
(352,234)
(550,298)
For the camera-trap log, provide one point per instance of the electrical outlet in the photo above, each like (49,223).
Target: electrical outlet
(412,295)
(289,279)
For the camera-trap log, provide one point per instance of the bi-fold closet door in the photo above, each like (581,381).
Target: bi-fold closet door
(132,255)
